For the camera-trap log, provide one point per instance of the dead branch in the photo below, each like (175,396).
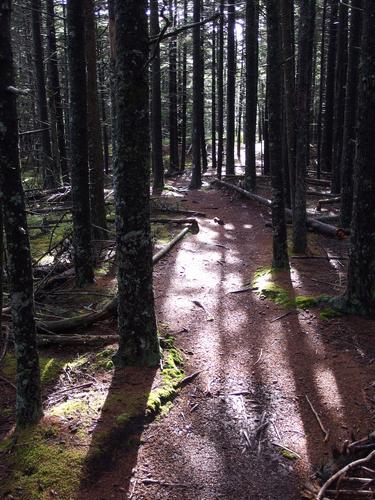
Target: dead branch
(343,471)
(325,432)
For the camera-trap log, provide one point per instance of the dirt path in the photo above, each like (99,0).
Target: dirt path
(218,440)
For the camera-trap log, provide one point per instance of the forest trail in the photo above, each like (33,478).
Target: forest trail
(218,441)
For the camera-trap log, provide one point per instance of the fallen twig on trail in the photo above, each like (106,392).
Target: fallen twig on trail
(343,471)
(248,288)
(282,316)
(189,378)
(286,449)
(324,430)
(259,358)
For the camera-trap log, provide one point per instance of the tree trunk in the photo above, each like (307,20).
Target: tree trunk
(184,96)
(274,83)
(79,144)
(303,93)
(55,90)
(220,94)
(339,102)
(95,142)
(203,99)
(173,121)
(231,88)
(28,400)
(287,28)
(251,41)
(156,127)
(351,104)
(136,322)
(48,167)
(360,294)
(321,87)
(327,138)
(213,99)
(196,179)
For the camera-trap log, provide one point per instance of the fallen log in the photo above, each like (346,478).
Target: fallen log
(320,227)
(110,308)
(320,194)
(81,340)
(327,201)
(318,182)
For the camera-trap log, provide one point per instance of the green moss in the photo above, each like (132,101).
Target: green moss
(38,464)
(161,233)
(329,313)
(50,368)
(266,287)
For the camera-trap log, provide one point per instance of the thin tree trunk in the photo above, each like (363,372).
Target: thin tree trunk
(240,106)
(213,99)
(231,89)
(196,179)
(79,144)
(274,82)
(351,105)
(303,93)
(55,90)
(136,313)
(173,121)
(28,399)
(49,174)
(203,100)
(322,81)
(184,96)
(95,140)
(252,28)
(220,94)
(156,126)
(287,28)
(339,103)
(327,134)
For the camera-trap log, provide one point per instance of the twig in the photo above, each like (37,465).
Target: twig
(325,432)
(8,382)
(286,449)
(281,317)
(260,357)
(81,386)
(189,378)
(342,471)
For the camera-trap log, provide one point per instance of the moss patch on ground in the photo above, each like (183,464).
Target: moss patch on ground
(264,283)
(50,368)
(41,464)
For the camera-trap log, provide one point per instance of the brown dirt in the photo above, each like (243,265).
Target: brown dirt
(256,370)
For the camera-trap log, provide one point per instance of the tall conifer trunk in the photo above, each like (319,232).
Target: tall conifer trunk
(136,314)
(220,94)
(79,144)
(28,397)
(231,89)
(274,83)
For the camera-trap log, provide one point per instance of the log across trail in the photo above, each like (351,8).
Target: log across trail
(321,227)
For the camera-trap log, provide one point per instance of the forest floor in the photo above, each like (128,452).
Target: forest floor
(260,358)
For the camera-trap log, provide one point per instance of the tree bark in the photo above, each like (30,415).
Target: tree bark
(184,96)
(55,90)
(136,314)
(220,94)
(303,93)
(231,88)
(274,82)
(351,104)
(28,400)
(360,294)
(287,28)
(321,87)
(173,121)
(251,40)
(48,167)
(79,144)
(213,99)
(327,139)
(339,102)
(156,126)
(196,179)
(95,140)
